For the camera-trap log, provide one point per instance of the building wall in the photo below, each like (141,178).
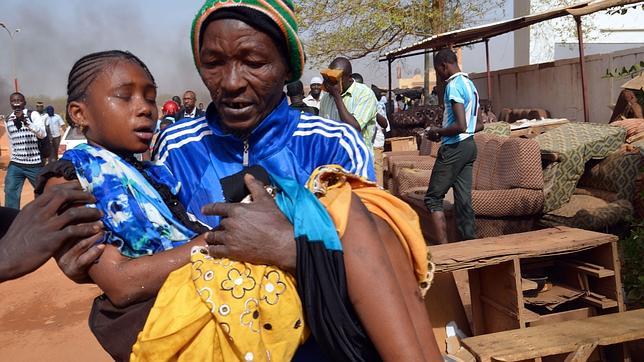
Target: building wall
(556,86)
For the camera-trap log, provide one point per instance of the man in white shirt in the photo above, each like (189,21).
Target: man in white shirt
(382,127)
(313,99)
(23,130)
(56,127)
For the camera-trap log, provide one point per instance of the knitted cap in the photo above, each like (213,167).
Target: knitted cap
(279,12)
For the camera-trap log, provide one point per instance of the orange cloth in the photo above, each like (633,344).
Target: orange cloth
(334,186)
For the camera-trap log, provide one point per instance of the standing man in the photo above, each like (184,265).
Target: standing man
(457,153)
(23,131)
(350,102)
(177,100)
(295,93)
(46,152)
(56,126)
(190,109)
(313,99)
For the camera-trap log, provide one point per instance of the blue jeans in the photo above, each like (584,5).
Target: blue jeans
(14,180)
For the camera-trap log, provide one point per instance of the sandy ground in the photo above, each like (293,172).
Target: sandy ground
(43,316)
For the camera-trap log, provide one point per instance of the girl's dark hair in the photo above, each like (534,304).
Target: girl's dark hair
(87,68)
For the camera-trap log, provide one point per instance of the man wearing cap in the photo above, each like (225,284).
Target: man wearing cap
(313,99)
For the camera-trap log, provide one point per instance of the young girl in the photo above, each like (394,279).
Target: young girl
(240,311)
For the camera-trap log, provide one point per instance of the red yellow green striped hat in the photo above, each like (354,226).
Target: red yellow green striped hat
(278,11)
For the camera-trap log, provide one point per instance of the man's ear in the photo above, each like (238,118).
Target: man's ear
(78,113)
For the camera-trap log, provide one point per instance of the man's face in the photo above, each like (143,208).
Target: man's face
(40,108)
(441,70)
(244,72)
(189,101)
(316,89)
(17,102)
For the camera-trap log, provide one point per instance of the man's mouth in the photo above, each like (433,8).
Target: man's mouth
(237,105)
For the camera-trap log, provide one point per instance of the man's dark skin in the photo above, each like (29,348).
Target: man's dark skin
(177,100)
(316,91)
(18,103)
(257,232)
(336,90)
(189,101)
(48,226)
(446,70)
(297,98)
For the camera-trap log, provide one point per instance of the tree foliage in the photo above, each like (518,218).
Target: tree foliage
(357,28)
(625,9)
(624,73)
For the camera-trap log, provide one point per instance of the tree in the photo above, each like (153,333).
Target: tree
(358,28)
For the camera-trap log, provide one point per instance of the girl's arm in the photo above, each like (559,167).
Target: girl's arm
(126,281)
(385,297)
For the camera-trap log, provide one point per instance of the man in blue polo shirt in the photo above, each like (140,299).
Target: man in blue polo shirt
(457,153)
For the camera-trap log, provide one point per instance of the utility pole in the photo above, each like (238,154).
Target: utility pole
(438,27)
(13,53)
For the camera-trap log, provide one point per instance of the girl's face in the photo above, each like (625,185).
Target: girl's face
(119,110)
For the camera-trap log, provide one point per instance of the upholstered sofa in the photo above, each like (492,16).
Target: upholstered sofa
(424,158)
(507,193)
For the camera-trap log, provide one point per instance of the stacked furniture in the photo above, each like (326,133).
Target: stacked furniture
(589,176)
(507,194)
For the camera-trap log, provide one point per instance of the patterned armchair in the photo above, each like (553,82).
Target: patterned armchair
(605,195)
(507,194)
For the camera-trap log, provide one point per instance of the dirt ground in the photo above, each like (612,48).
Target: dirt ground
(43,316)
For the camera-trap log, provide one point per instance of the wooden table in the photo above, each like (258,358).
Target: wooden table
(535,128)
(578,338)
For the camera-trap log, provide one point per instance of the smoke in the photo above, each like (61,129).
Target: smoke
(54,34)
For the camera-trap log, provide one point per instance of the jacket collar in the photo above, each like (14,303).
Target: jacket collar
(269,136)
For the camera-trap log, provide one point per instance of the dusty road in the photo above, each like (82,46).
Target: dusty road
(43,316)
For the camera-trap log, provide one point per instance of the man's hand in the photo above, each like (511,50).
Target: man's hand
(334,89)
(257,232)
(432,135)
(42,229)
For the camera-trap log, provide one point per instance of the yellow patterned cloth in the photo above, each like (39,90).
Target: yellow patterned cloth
(223,310)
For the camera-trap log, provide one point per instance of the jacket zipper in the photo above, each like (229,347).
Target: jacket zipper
(246,153)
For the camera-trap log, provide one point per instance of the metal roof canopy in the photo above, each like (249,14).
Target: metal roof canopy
(480,33)
(483,33)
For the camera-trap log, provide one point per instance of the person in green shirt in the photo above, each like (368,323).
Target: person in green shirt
(350,102)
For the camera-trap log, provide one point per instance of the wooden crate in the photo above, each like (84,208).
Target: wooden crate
(577,260)
(403,143)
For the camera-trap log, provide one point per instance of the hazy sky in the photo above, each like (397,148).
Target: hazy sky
(55,33)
